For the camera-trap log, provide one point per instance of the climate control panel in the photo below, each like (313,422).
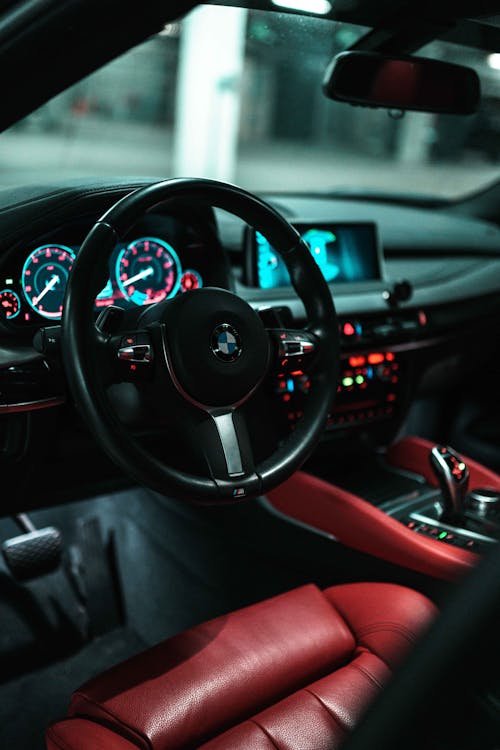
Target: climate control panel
(369,390)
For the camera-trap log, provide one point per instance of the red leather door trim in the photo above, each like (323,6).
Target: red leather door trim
(360,525)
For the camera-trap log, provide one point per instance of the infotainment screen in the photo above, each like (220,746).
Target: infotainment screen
(344,252)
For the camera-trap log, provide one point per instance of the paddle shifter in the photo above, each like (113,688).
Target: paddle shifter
(453,476)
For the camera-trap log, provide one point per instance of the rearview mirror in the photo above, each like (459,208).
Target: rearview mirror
(415,83)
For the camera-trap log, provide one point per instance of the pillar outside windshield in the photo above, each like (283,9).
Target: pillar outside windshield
(209,93)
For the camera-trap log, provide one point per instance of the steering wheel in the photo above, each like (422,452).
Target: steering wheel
(205,353)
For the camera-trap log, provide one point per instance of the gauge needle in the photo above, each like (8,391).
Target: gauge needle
(50,285)
(142,275)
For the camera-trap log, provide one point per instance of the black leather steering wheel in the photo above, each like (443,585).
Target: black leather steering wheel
(206,352)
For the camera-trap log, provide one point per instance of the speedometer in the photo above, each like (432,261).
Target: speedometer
(44,278)
(148,271)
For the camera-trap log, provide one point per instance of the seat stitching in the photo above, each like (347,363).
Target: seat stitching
(331,713)
(56,739)
(372,627)
(387,625)
(339,610)
(374,653)
(137,733)
(368,675)
(269,737)
(394,631)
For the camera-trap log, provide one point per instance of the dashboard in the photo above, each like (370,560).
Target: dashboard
(390,350)
(161,258)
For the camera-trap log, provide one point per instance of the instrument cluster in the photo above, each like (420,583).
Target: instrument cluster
(142,271)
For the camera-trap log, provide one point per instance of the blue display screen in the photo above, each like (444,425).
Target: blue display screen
(344,253)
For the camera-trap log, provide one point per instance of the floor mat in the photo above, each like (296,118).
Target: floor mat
(28,703)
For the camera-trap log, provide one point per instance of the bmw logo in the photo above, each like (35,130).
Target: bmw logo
(226,343)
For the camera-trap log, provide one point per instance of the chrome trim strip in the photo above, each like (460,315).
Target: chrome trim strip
(230,445)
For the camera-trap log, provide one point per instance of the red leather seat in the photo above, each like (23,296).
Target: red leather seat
(294,672)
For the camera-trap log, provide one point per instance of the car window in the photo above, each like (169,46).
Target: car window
(236,95)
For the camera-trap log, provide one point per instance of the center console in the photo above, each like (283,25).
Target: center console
(458,502)
(395,508)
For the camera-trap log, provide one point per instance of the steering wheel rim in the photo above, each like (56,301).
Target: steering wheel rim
(82,343)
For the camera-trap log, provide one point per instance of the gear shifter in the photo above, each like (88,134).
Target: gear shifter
(453,476)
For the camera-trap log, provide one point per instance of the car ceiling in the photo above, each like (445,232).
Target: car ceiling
(46,45)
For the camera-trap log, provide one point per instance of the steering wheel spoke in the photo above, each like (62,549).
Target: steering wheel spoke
(292,348)
(233,437)
(225,443)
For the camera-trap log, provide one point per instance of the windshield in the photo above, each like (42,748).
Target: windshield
(236,95)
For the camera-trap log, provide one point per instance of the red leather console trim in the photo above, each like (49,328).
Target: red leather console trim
(412,454)
(360,525)
(80,734)
(294,673)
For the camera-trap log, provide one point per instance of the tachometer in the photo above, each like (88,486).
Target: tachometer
(148,271)
(44,278)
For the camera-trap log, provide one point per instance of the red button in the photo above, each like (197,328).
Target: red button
(357,361)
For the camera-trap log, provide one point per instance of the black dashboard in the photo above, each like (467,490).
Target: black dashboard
(163,256)
(435,336)
(393,349)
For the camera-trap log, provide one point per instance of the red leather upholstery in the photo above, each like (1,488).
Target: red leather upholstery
(295,672)
(80,734)
(360,525)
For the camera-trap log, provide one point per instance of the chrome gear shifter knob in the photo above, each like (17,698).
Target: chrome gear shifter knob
(453,476)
